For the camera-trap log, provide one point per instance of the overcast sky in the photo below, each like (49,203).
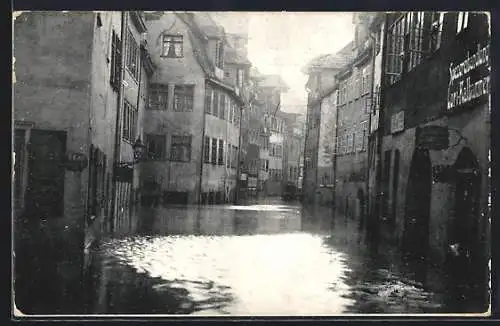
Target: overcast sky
(283,42)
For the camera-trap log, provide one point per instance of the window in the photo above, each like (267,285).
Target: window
(437,21)
(221,152)
(116,61)
(234,158)
(222,105)
(237,115)
(367,104)
(180,149)
(239,78)
(214,151)
(158,97)
(366,83)
(228,155)
(411,37)
(462,21)
(231,111)
(132,56)
(183,98)
(219,54)
(208,99)
(172,46)
(364,140)
(215,105)
(206,150)
(156,148)
(129,122)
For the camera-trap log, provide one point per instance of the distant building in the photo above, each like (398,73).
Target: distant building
(271,88)
(192,125)
(321,126)
(293,148)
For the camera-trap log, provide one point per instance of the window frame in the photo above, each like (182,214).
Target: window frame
(171,52)
(162,156)
(158,90)
(129,121)
(184,95)
(184,144)
(220,152)
(116,61)
(132,58)
(206,150)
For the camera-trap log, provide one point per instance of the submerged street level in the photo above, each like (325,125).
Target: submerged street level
(266,258)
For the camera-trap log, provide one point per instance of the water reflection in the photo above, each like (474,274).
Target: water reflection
(263,258)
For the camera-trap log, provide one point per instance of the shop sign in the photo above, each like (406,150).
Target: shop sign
(398,122)
(462,89)
(433,137)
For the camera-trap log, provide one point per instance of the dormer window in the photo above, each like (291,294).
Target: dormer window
(172,46)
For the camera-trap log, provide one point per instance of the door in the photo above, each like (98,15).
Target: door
(468,266)
(37,246)
(418,203)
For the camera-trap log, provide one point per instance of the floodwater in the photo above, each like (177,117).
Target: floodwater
(266,258)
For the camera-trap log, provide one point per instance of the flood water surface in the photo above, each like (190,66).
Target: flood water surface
(270,259)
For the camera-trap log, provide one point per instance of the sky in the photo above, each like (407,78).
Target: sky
(284,42)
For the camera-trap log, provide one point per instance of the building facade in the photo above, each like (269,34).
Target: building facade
(193,122)
(321,126)
(436,127)
(293,151)
(354,99)
(78,101)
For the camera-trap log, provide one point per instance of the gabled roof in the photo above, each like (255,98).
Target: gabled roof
(326,61)
(197,38)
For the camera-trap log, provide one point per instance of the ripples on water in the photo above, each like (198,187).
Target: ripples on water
(265,264)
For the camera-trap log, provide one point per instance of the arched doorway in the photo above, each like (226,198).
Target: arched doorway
(468,267)
(417,208)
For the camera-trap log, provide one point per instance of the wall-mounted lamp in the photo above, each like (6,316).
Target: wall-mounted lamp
(139,150)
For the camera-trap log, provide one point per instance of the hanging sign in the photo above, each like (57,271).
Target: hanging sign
(467,82)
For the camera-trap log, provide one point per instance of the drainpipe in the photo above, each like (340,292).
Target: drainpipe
(375,218)
(116,154)
(238,171)
(372,85)
(334,163)
(132,206)
(202,161)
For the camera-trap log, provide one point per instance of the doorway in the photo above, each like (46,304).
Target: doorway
(417,208)
(38,240)
(469,268)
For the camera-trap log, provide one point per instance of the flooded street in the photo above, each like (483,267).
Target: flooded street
(260,259)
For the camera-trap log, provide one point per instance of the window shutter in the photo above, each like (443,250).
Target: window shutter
(118,61)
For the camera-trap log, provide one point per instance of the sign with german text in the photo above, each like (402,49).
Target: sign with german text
(469,79)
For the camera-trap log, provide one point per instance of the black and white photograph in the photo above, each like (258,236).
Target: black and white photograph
(250,163)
